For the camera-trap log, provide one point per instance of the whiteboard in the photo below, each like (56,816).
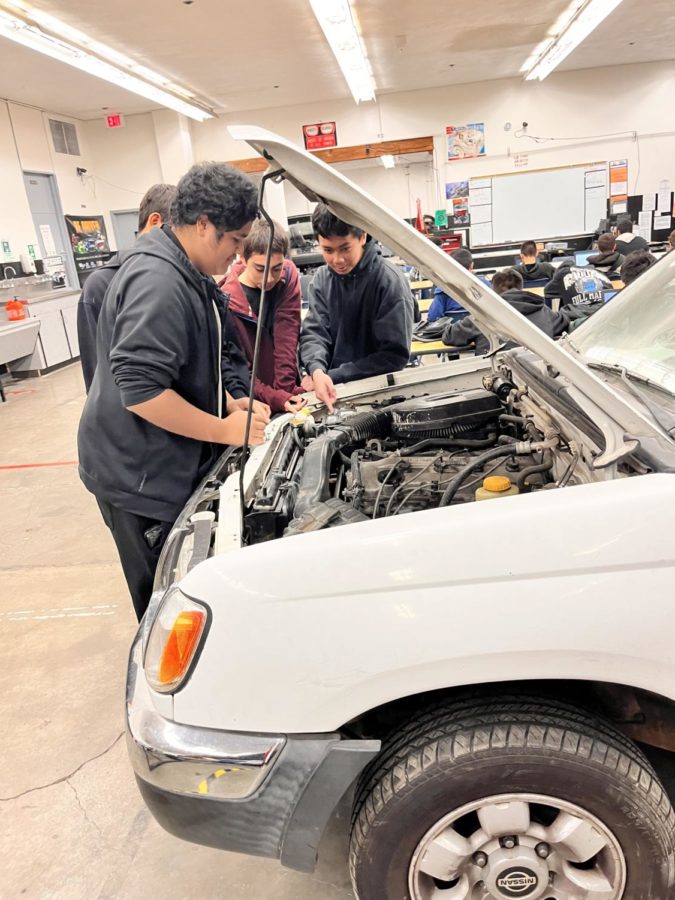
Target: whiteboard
(547,204)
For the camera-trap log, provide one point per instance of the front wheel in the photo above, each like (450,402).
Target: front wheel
(511,798)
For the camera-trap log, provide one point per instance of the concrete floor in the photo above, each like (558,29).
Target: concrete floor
(73,826)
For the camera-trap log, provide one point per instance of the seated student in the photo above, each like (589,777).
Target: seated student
(577,286)
(277,383)
(626,241)
(360,311)
(530,269)
(671,242)
(635,264)
(608,259)
(443,304)
(509,284)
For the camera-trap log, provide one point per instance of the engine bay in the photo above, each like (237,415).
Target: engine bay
(402,455)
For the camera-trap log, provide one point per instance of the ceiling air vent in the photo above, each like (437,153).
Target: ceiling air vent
(64,136)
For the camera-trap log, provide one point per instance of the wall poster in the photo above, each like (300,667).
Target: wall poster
(465,141)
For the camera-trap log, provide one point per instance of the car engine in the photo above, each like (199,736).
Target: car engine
(400,456)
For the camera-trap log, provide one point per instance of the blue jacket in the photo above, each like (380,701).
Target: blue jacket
(444,305)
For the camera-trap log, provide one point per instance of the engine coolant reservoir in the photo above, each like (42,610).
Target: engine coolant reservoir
(496,486)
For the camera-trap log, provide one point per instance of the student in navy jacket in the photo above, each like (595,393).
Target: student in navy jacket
(443,304)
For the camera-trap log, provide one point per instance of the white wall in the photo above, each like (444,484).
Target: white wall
(582,104)
(121,165)
(16,221)
(579,106)
(124,163)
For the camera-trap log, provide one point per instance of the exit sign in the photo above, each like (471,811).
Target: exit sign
(115,121)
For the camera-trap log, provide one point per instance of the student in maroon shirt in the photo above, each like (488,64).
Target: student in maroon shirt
(277,383)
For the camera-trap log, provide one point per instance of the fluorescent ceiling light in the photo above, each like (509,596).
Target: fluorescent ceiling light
(388,161)
(574,26)
(47,35)
(336,19)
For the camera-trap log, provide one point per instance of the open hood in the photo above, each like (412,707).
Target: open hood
(623,423)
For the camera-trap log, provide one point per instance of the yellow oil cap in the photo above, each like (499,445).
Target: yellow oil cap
(497,483)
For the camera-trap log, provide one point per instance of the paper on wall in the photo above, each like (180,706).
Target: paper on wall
(662,223)
(481,214)
(476,183)
(595,178)
(619,188)
(479,196)
(645,233)
(481,234)
(649,202)
(48,240)
(645,219)
(664,195)
(618,208)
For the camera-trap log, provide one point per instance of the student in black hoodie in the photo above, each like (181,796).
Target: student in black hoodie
(530,269)
(578,286)
(157,415)
(626,241)
(360,311)
(608,259)
(509,284)
(153,213)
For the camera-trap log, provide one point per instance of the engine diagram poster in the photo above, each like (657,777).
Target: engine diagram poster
(465,141)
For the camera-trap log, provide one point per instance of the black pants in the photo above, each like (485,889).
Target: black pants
(139,542)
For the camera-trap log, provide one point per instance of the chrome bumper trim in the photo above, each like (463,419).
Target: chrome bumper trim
(184,759)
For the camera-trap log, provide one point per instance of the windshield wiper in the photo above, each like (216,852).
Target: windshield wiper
(662,419)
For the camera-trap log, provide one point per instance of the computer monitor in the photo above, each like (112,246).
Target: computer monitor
(581,257)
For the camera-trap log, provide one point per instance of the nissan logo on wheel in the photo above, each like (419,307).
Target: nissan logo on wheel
(517,882)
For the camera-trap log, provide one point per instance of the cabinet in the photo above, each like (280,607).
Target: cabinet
(69,315)
(57,342)
(52,338)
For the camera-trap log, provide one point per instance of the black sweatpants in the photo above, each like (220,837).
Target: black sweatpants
(139,542)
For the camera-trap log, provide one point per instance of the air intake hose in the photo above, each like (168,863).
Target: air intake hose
(314,482)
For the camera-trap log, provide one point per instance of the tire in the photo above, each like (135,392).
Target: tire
(477,748)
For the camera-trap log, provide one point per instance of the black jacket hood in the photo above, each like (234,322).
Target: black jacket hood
(161,327)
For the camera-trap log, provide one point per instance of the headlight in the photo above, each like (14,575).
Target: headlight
(173,641)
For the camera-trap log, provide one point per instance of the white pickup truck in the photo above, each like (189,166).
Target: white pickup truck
(492,682)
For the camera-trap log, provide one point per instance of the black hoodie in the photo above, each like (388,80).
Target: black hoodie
(577,286)
(537,271)
(359,324)
(160,327)
(459,334)
(628,243)
(234,364)
(606,262)
(88,310)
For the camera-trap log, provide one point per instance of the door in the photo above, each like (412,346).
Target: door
(125,227)
(49,223)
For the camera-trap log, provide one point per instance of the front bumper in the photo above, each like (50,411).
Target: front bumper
(263,795)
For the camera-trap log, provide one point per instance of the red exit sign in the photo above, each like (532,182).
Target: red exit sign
(115,121)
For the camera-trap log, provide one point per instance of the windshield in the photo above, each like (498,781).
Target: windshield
(636,330)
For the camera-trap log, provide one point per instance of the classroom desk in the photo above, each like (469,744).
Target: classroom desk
(424,304)
(420,285)
(425,348)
